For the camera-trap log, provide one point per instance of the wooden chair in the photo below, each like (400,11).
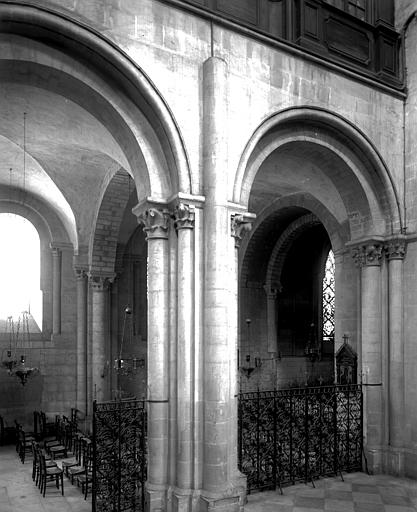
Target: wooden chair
(47,428)
(86,460)
(50,474)
(24,444)
(7,434)
(76,459)
(85,477)
(36,468)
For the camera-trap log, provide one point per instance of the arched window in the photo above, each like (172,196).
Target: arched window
(328,298)
(20,267)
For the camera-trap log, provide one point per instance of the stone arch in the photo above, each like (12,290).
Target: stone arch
(338,232)
(105,235)
(157,160)
(283,244)
(357,172)
(46,221)
(52,233)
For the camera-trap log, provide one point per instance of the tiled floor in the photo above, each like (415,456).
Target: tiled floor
(358,493)
(18,493)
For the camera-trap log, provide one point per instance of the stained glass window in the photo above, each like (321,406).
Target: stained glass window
(328,298)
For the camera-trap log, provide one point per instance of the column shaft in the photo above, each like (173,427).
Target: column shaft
(158,372)
(217,356)
(156,225)
(395,253)
(396,373)
(99,339)
(185,350)
(56,290)
(82,341)
(368,257)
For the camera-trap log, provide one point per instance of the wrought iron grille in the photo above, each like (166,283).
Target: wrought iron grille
(299,434)
(328,297)
(119,456)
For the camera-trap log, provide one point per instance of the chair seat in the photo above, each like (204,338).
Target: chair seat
(53,470)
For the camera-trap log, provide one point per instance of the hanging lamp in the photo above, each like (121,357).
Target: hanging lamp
(124,365)
(23,371)
(9,361)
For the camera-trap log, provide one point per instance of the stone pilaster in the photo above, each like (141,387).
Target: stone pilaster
(156,223)
(220,491)
(184,222)
(82,294)
(100,364)
(395,252)
(56,289)
(368,257)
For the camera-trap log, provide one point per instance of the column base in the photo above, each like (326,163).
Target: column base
(183,500)
(395,461)
(232,499)
(374,461)
(155,498)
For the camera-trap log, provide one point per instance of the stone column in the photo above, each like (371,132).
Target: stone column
(219,487)
(184,223)
(368,258)
(56,290)
(82,288)
(240,224)
(100,364)
(395,252)
(156,225)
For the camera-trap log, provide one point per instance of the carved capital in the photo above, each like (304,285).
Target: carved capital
(395,249)
(367,255)
(184,216)
(273,292)
(80,273)
(56,251)
(239,226)
(155,222)
(100,283)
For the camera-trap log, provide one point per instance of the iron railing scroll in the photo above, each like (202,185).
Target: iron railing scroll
(299,434)
(119,456)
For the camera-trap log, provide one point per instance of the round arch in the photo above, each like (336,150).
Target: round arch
(122,84)
(364,186)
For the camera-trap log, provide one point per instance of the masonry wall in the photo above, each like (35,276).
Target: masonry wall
(53,389)
(410,263)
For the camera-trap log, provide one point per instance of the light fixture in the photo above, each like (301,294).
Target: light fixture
(125,365)
(21,370)
(248,367)
(312,350)
(8,362)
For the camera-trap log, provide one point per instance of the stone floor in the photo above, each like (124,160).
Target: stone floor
(18,492)
(358,493)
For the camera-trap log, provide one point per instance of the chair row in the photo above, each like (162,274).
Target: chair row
(73,450)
